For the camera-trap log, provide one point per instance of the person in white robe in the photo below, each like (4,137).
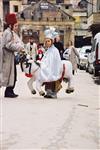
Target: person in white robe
(51,65)
(31,48)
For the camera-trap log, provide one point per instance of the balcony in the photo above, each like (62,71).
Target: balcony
(94,19)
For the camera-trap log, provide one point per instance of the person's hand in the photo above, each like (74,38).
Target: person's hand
(22,50)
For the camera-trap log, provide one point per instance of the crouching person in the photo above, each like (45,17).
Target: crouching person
(50,69)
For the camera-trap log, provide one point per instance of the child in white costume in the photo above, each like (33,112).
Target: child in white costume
(51,65)
(50,70)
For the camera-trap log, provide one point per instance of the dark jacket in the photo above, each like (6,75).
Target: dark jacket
(60,47)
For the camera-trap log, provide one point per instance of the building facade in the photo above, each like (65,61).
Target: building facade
(77,28)
(42,15)
(94,16)
(36,16)
(6,7)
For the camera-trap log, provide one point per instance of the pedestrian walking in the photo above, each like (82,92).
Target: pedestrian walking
(72,54)
(32,15)
(40,52)
(31,48)
(9,47)
(58,44)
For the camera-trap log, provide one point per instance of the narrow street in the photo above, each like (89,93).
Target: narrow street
(71,121)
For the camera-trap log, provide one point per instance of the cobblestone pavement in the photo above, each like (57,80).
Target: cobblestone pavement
(70,122)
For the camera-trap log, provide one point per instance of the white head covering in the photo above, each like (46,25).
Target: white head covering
(49,34)
(55,34)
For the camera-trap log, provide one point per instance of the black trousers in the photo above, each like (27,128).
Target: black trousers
(50,86)
(10,89)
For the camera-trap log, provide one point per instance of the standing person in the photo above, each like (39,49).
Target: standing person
(32,15)
(31,48)
(58,44)
(9,47)
(73,55)
(51,67)
(40,52)
(1,59)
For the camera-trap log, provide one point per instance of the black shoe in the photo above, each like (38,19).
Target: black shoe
(70,90)
(50,96)
(33,92)
(16,95)
(11,95)
(47,96)
(42,93)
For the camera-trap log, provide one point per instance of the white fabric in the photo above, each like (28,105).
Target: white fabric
(66,54)
(68,73)
(55,34)
(49,34)
(51,66)
(35,70)
(34,50)
(17,39)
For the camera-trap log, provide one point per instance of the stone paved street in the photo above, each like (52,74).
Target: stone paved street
(71,122)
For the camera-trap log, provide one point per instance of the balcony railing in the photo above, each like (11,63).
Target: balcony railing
(94,19)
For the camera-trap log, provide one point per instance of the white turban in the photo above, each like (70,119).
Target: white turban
(55,34)
(49,34)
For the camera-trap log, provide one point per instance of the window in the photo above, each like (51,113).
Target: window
(67,6)
(98,5)
(15,8)
(59,1)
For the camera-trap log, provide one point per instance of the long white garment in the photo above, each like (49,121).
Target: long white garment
(17,39)
(31,50)
(51,66)
(66,54)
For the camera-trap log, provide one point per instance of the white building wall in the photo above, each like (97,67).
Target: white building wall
(74,3)
(15,3)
